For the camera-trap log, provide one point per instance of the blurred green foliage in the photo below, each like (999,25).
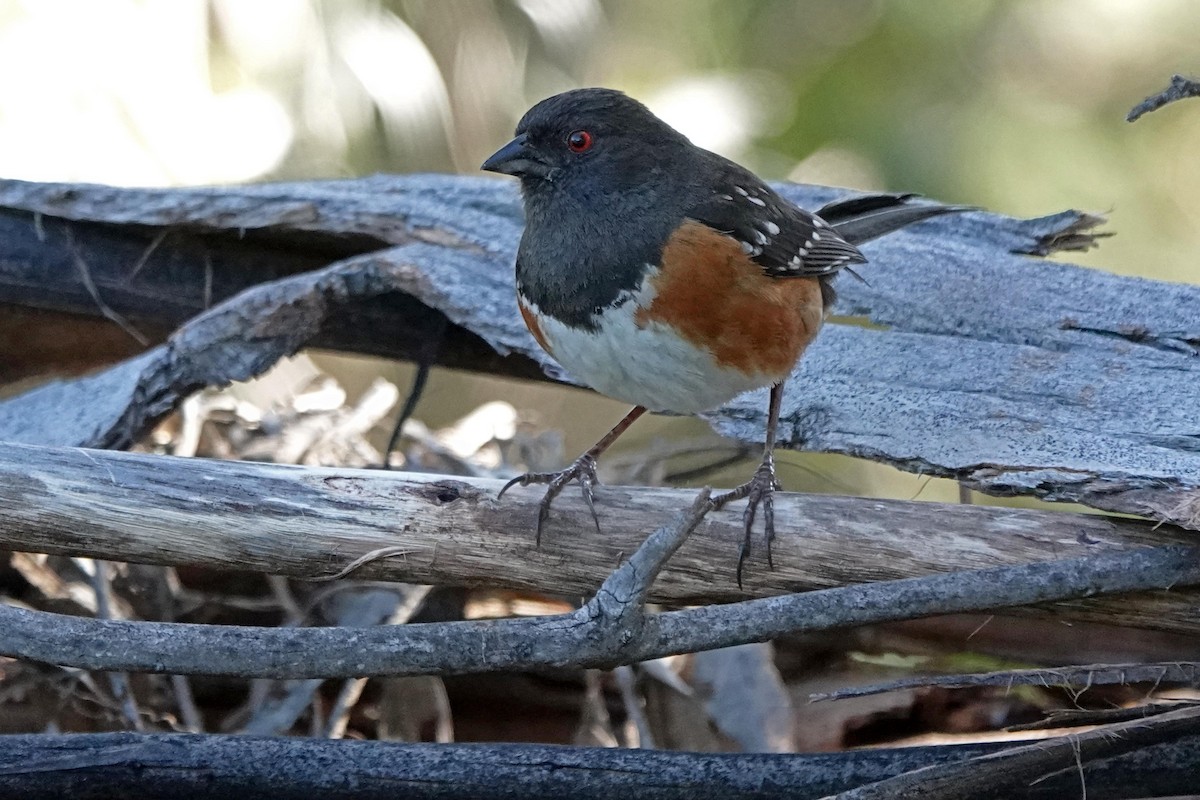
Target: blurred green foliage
(1017,106)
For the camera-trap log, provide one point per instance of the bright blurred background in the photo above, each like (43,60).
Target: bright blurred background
(1016,106)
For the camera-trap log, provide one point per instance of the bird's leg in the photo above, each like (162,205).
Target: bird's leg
(583,470)
(759,489)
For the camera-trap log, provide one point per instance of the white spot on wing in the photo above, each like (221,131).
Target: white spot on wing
(772,228)
(757,201)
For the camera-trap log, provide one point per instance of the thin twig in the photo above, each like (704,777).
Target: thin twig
(281,590)
(189,714)
(1080,717)
(122,689)
(1179,89)
(366,558)
(634,709)
(1020,767)
(629,584)
(406,412)
(425,361)
(339,715)
(594,728)
(145,256)
(85,276)
(1186,673)
(273,717)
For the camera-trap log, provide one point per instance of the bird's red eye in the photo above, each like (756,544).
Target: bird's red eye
(579,141)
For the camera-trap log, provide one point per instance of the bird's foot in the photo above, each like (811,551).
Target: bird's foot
(583,470)
(758,491)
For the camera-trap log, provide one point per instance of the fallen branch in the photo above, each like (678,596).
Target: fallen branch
(256,768)
(611,629)
(1180,88)
(314,523)
(1174,673)
(1081,717)
(1028,767)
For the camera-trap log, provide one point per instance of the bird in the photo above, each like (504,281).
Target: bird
(669,277)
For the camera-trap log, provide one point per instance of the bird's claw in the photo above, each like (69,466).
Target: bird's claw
(759,490)
(583,470)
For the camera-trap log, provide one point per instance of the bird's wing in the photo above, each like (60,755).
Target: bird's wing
(784,239)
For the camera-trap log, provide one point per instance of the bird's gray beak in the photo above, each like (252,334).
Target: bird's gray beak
(517,158)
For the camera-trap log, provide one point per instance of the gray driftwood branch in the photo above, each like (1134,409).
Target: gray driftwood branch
(1009,373)
(258,768)
(1173,673)
(611,629)
(1180,88)
(314,523)
(1018,768)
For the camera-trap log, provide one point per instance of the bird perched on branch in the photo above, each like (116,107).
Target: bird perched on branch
(666,276)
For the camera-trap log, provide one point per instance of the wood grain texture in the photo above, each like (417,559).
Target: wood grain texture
(310,523)
(108,765)
(1009,373)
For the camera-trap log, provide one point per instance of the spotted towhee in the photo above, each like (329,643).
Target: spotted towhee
(667,276)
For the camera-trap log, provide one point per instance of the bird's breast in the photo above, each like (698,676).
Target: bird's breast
(703,328)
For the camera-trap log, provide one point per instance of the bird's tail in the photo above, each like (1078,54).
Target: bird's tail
(861,219)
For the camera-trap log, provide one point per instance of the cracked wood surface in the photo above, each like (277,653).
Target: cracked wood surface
(1012,374)
(272,768)
(311,523)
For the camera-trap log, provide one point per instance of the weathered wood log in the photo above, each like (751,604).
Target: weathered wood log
(611,629)
(312,523)
(1019,767)
(1013,375)
(155,258)
(250,767)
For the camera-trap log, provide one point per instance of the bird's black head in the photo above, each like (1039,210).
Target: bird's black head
(605,182)
(596,139)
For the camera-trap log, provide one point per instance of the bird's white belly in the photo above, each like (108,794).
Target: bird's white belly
(645,364)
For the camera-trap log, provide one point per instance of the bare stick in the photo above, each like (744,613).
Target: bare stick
(208,767)
(611,629)
(1179,89)
(312,523)
(1021,767)
(1079,717)
(189,714)
(1171,673)
(119,681)
(634,710)
(85,277)
(339,715)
